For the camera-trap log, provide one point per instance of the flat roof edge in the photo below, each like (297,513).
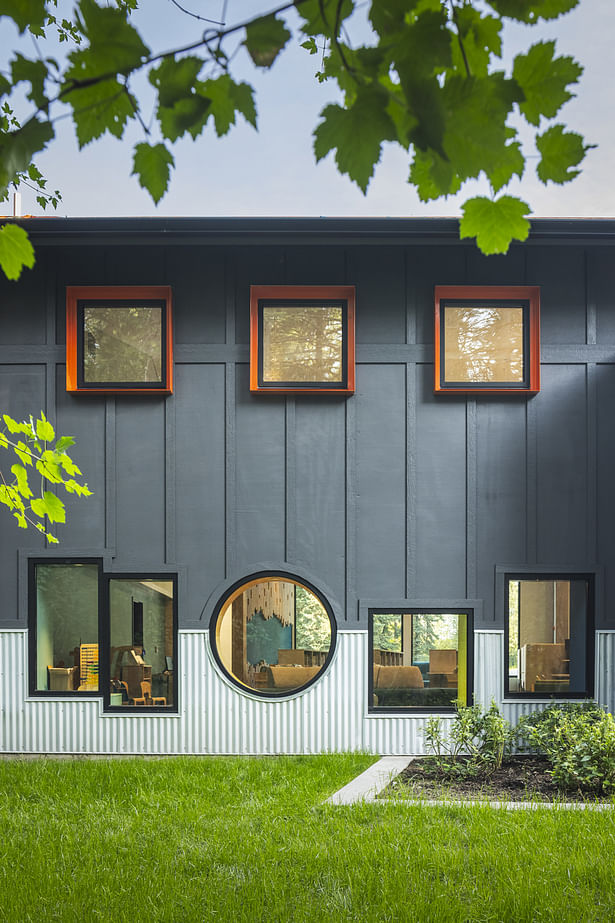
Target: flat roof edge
(50,228)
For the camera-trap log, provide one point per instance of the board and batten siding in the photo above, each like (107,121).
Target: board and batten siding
(394,492)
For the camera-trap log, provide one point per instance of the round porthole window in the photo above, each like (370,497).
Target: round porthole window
(272,634)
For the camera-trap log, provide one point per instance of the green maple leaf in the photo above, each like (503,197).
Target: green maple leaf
(476,134)
(185,115)
(16,251)
(115,45)
(21,476)
(560,151)
(544,80)
(510,162)
(433,176)
(17,148)
(265,38)
(99,108)
(175,78)
(480,36)
(226,98)
(356,134)
(532,10)
(26,14)
(34,73)
(320,16)
(152,165)
(44,429)
(495,224)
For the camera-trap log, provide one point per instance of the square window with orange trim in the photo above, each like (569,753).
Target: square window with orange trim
(302,338)
(119,339)
(487,338)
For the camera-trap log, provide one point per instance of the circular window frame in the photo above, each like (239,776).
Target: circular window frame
(231,593)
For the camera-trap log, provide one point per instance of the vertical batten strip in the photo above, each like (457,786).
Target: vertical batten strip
(350,602)
(170,506)
(591,510)
(110,476)
(230,447)
(290,485)
(531,484)
(471,499)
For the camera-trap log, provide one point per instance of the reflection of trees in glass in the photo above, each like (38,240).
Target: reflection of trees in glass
(302,343)
(387,632)
(513,624)
(312,626)
(433,632)
(483,344)
(122,344)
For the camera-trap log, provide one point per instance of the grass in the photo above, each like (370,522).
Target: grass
(198,839)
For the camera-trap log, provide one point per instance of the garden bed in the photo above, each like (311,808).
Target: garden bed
(521,778)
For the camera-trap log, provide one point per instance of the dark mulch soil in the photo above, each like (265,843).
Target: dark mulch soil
(521,778)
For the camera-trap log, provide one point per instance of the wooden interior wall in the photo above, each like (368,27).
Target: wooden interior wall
(391,493)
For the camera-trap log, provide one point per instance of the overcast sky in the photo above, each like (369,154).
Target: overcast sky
(273,172)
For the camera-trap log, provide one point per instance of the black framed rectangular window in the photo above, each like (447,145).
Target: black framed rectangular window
(142,637)
(97,634)
(64,612)
(302,338)
(549,637)
(487,339)
(420,660)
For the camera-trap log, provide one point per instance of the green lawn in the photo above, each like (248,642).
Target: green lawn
(194,839)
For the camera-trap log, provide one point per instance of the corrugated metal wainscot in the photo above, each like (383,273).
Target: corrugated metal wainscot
(214,718)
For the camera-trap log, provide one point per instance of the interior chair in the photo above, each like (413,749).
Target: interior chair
(146,695)
(442,667)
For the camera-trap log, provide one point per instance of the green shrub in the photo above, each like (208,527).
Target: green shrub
(579,742)
(476,743)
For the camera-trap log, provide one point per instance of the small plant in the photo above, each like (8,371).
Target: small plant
(579,742)
(37,448)
(476,743)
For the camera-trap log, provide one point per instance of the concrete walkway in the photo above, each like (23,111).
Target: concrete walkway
(371,782)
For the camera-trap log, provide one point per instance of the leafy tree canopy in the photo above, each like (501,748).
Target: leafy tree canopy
(430,79)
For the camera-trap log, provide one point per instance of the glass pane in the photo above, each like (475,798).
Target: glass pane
(303,343)
(419,659)
(273,636)
(483,344)
(122,344)
(67,627)
(547,636)
(142,642)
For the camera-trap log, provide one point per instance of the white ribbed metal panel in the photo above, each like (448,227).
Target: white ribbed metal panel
(605,669)
(488,666)
(215,718)
(604,683)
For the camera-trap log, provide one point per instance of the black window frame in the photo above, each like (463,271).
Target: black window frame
(106,648)
(223,602)
(590,629)
(104,640)
(113,304)
(449,385)
(33,627)
(289,296)
(415,710)
(341,385)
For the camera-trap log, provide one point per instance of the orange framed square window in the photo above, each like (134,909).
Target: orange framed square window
(119,339)
(487,339)
(302,338)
